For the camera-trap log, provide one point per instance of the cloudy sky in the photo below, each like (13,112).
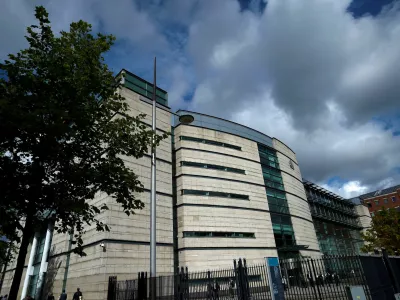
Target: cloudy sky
(323,76)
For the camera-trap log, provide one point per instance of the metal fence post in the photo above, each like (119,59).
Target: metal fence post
(316,282)
(246,279)
(187,283)
(112,285)
(209,286)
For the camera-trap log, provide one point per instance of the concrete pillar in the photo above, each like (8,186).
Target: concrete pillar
(43,263)
(30,263)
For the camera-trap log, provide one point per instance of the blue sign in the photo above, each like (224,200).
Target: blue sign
(274,278)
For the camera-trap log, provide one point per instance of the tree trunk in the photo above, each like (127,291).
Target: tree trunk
(26,237)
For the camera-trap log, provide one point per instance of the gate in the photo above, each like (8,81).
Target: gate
(322,278)
(382,274)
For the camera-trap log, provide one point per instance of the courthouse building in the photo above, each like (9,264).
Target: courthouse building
(224,191)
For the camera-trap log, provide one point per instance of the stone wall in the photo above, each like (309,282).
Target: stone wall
(126,250)
(303,226)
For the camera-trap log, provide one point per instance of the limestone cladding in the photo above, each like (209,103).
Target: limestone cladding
(252,169)
(256,194)
(249,148)
(215,219)
(137,106)
(220,214)
(214,259)
(296,197)
(364,217)
(283,149)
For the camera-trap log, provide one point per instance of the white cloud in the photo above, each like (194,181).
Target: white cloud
(305,72)
(348,190)
(310,75)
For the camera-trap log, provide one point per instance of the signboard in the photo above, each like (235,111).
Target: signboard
(274,278)
(356,292)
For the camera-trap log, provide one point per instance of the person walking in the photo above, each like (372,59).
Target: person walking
(77,295)
(210,293)
(337,279)
(50,296)
(284,283)
(231,288)
(63,295)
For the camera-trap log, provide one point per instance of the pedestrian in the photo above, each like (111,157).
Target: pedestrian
(231,287)
(77,295)
(337,280)
(209,291)
(50,296)
(310,279)
(284,283)
(216,290)
(63,295)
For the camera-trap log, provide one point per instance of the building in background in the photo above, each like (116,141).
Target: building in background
(338,222)
(381,199)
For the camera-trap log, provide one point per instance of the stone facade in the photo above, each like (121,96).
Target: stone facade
(126,246)
(201,145)
(297,200)
(220,214)
(364,217)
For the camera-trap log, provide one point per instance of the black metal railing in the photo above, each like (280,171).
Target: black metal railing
(327,277)
(322,278)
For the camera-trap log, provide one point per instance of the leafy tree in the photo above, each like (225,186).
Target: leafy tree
(63,130)
(384,232)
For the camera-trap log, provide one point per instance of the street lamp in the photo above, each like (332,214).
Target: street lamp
(184,119)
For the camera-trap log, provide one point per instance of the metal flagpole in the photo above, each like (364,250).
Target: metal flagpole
(153,196)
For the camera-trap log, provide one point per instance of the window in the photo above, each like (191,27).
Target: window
(209,142)
(385,200)
(220,234)
(283,231)
(215,194)
(271,174)
(268,156)
(141,87)
(273,185)
(212,167)
(376,202)
(372,214)
(369,204)
(277,202)
(394,199)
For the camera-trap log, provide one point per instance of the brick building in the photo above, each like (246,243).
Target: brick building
(380,199)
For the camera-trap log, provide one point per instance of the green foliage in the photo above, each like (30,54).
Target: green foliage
(384,232)
(63,131)
(7,252)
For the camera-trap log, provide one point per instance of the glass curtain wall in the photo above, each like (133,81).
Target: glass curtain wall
(277,202)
